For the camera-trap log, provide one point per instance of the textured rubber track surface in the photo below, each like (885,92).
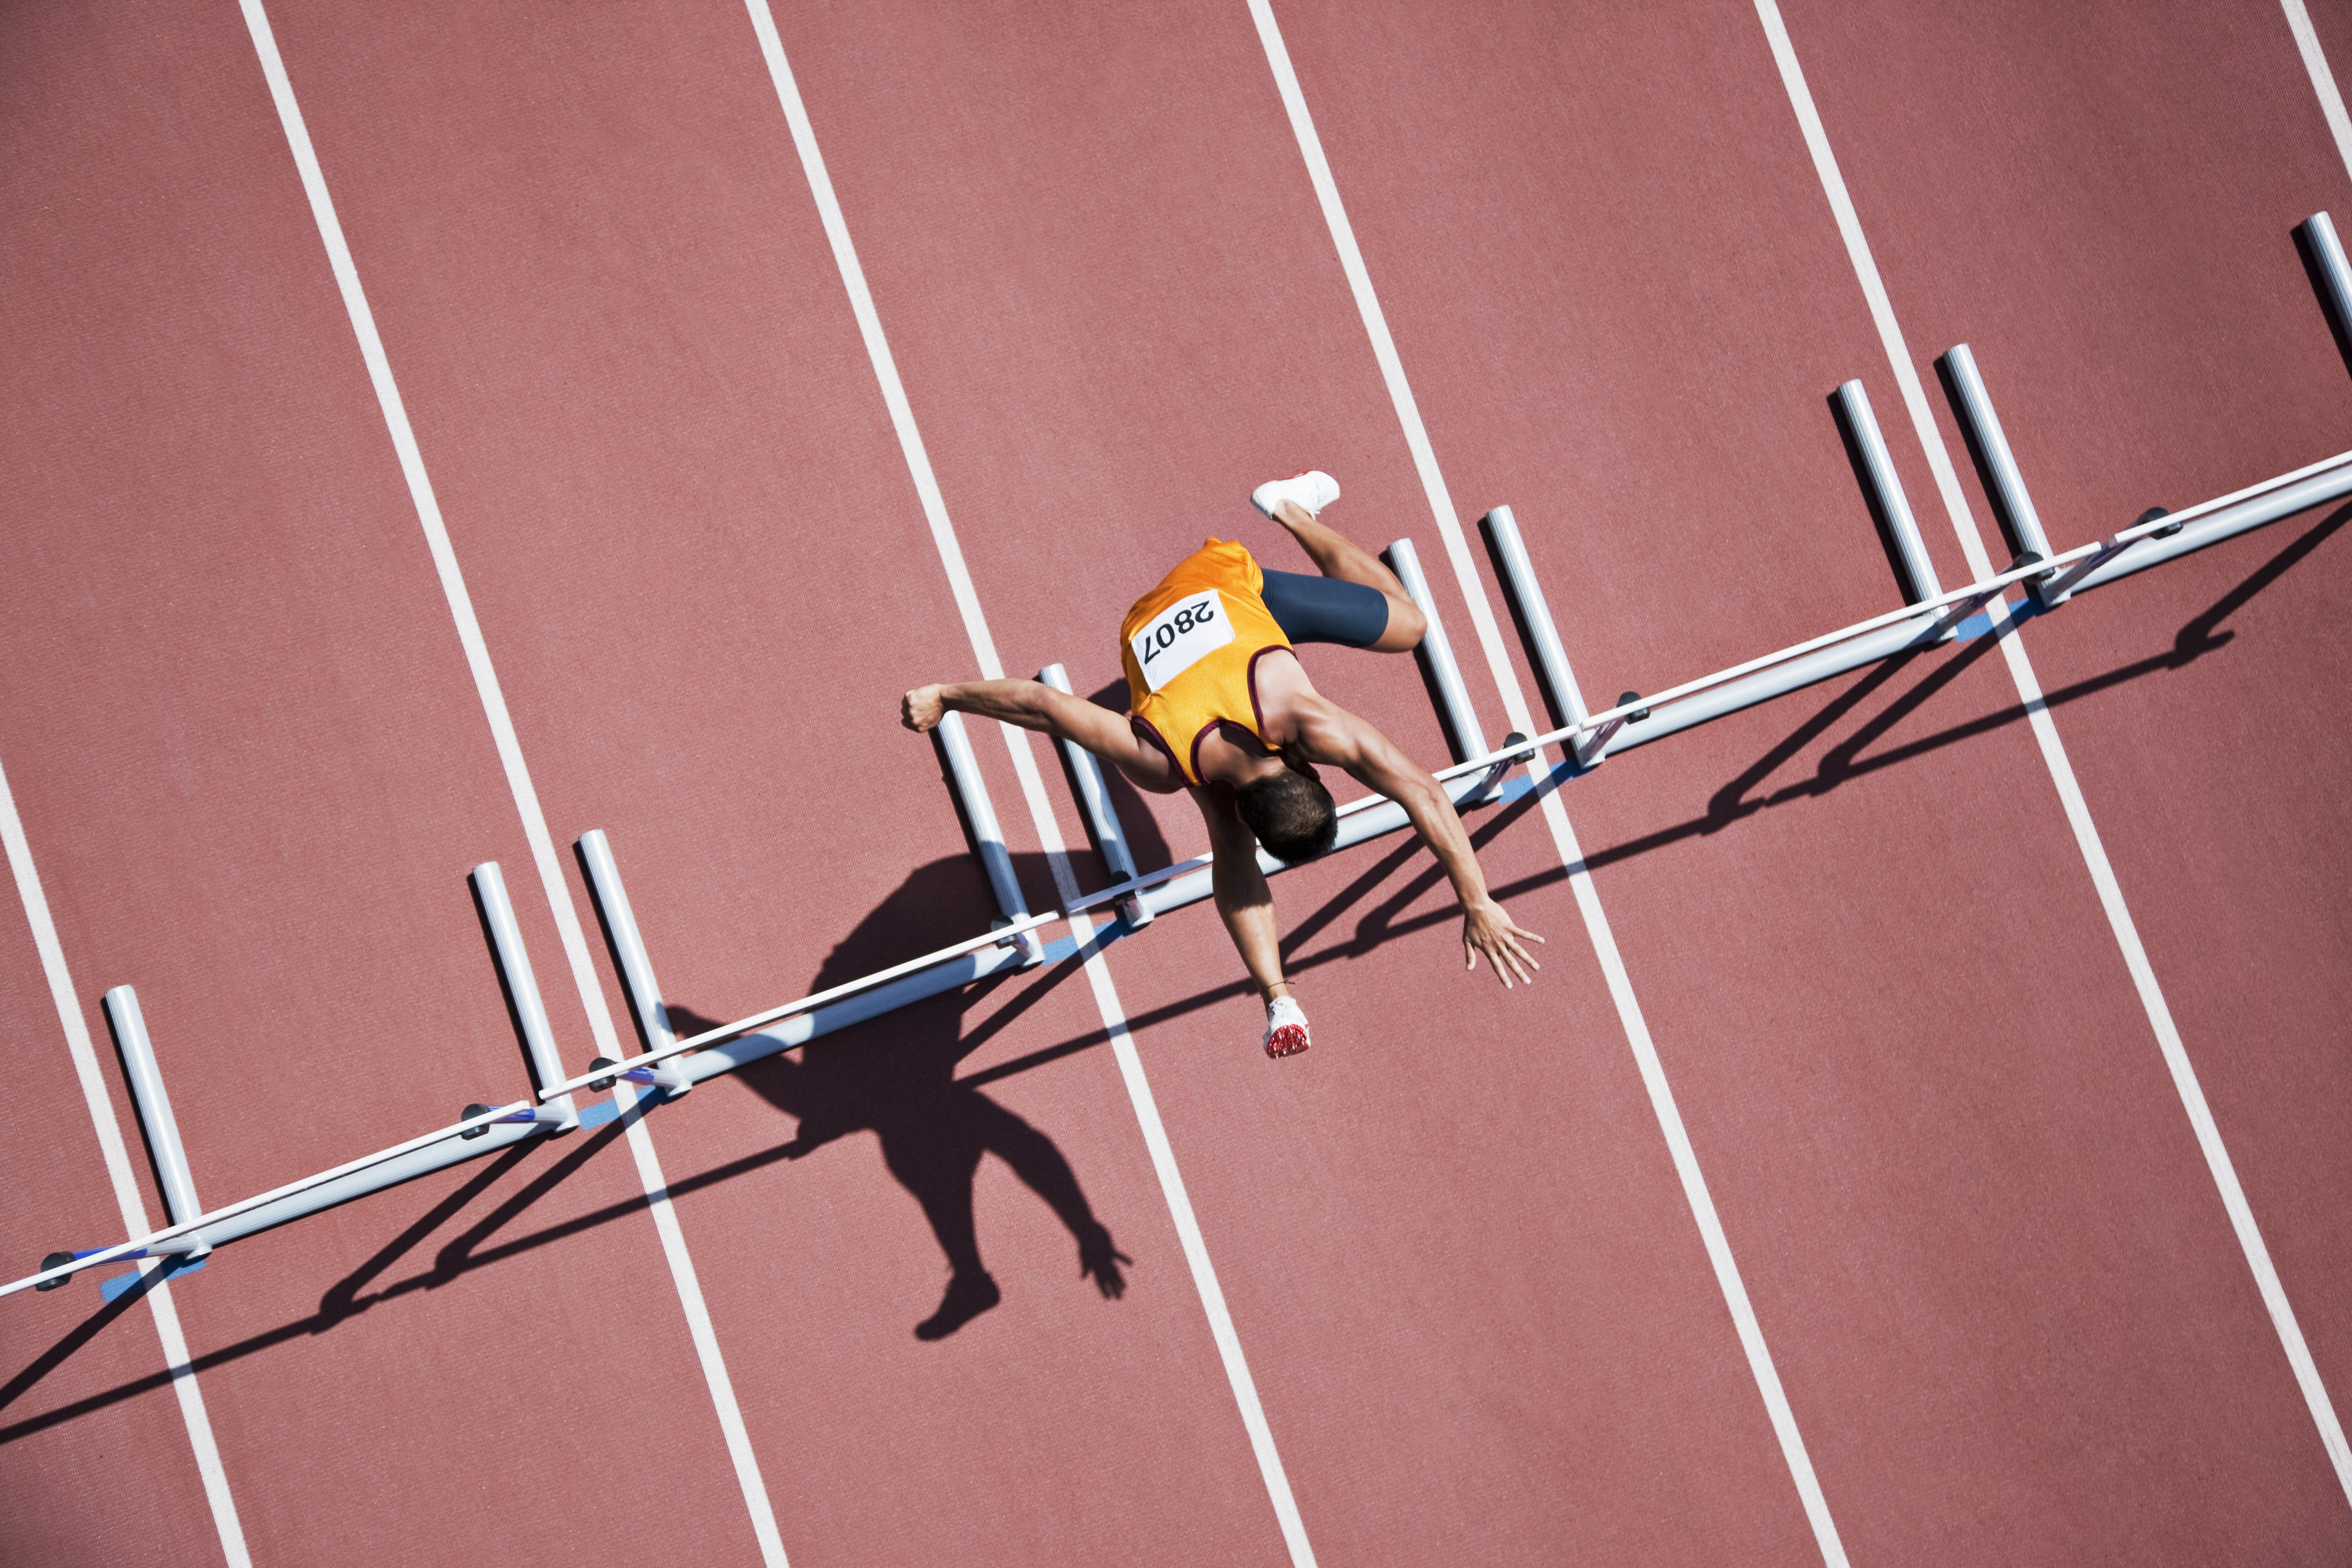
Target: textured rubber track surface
(1994,1274)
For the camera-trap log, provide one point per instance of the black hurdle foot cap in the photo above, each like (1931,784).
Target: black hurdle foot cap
(601,1084)
(55,1261)
(1636,717)
(467,1115)
(2150,515)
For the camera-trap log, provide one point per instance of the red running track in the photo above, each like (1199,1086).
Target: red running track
(1980,1241)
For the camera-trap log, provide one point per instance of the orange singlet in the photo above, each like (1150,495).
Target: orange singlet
(1191,648)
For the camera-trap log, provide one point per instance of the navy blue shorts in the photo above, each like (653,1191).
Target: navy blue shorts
(1326,609)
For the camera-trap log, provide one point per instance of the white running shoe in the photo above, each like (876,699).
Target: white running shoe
(1313,490)
(1286,1029)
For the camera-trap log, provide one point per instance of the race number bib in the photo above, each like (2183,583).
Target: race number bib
(1179,636)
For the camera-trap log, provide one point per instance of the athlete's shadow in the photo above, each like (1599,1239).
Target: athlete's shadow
(895,1077)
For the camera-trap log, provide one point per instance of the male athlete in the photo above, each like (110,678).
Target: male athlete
(1222,706)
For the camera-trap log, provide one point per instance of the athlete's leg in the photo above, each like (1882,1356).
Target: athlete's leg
(935,1158)
(1338,556)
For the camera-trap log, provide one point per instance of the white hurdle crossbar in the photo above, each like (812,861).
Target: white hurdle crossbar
(369,1174)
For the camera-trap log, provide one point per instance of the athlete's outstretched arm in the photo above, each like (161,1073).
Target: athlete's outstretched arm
(1244,901)
(1327,732)
(1033,705)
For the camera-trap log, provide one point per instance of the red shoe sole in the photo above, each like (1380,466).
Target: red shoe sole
(1287,1041)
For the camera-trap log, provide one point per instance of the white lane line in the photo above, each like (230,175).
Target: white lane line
(509,749)
(2053,756)
(1033,790)
(127,1196)
(2323,80)
(877,347)
(1588,897)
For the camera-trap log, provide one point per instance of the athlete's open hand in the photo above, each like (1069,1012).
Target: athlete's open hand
(1486,929)
(921,709)
(1098,1258)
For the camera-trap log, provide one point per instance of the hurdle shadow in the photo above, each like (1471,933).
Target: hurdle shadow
(342,1302)
(893,1076)
(1852,757)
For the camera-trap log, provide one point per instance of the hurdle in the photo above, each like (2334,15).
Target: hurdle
(1435,654)
(480,1130)
(158,1129)
(1554,680)
(1930,616)
(730,1046)
(2323,256)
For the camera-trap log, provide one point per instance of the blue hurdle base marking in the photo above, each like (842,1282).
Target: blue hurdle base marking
(112,1288)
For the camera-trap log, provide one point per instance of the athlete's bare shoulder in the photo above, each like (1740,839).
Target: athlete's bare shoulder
(1279,684)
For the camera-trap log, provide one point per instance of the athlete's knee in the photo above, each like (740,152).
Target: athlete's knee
(1407,625)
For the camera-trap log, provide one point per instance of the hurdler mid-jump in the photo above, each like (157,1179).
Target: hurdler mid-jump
(1222,706)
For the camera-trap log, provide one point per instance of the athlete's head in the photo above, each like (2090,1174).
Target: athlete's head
(1292,815)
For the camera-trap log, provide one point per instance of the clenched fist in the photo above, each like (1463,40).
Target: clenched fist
(921,709)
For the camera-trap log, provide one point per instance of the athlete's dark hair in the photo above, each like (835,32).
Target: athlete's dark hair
(1292,815)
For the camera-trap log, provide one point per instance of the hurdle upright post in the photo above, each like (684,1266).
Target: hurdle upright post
(523,991)
(1997,466)
(2329,273)
(1886,495)
(988,837)
(155,1106)
(636,966)
(1529,610)
(1436,657)
(1093,795)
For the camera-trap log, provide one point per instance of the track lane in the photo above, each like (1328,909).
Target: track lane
(255,796)
(1806,919)
(2130,180)
(56,1504)
(1064,236)
(1354,1299)
(684,580)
